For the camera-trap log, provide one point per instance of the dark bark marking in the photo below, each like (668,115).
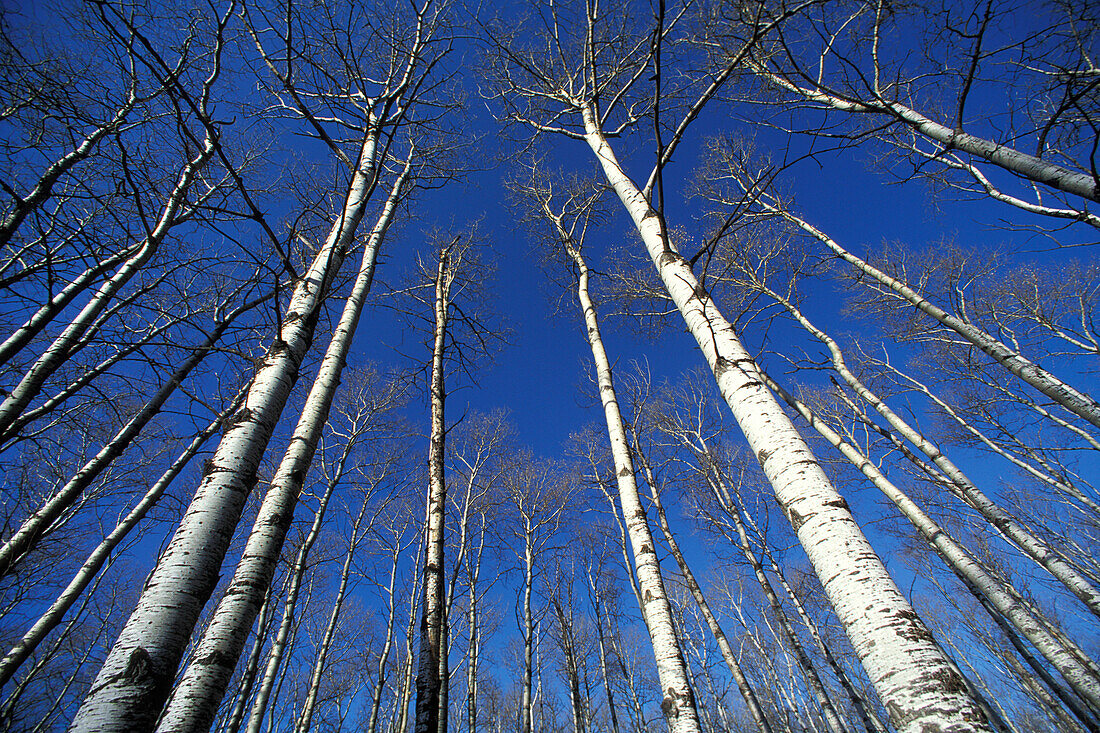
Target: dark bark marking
(139,667)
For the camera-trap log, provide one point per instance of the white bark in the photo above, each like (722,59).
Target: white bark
(309,706)
(914,681)
(724,646)
(809,671)
(429,717)
(49,310)
(61,348)
(959,483)
(137,675)
(290,602)
(1022,164)
(199,692)
(387,645)
(961,562)
(677,698)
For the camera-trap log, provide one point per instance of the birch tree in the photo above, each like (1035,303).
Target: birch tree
(152,643)
(584,83)
(864,72)
(569,219)
(460,334)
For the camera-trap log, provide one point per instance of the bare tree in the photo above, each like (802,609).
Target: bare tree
(584,81)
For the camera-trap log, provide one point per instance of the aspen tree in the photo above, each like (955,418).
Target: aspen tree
(856,72)
(581,99)
(570,223)
(152,643)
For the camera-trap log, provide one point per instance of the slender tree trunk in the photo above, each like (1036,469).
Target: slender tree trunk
(597,606)
(137,676)
(870,721)
(428,682)
(678,702)
(404,692)
(474,614)
(232,724)
(39,524)
(1048,384)
(909,671)
(696,591)
(789,636)
(527,710)
(102,553)
(290,603)
(1022,164)
(975,577)
(61,348)
(1039,551)
(572,675)
(387,645)
(198,694)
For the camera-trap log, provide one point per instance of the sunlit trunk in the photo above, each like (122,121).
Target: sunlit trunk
(907,668)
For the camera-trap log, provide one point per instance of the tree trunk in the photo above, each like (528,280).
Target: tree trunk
(428,718)
(678,701)
(696,591)
(910,673)
(136,678)
(102,553)
(199,693)
(309,706)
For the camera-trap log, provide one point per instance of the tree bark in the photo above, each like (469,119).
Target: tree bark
(677,698)
(428,682)
(136,678)
(910,673)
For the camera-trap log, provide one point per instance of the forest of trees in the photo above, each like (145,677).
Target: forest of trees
(559,365)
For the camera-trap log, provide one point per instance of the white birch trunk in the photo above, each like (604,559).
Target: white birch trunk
(49,310)
(387,645)
(309,706)
(85,378)
(789,636)
(870,721)
(428,682)
(290,603)
(960,484)
(597,605)
(677,698)
(404,691)
(1022,164)
(572,676)
(910,673)
(61,348)
(724,646)
(526,707)
(136,677)
(198,694)
(473,574)
(962,563)
(232,723)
